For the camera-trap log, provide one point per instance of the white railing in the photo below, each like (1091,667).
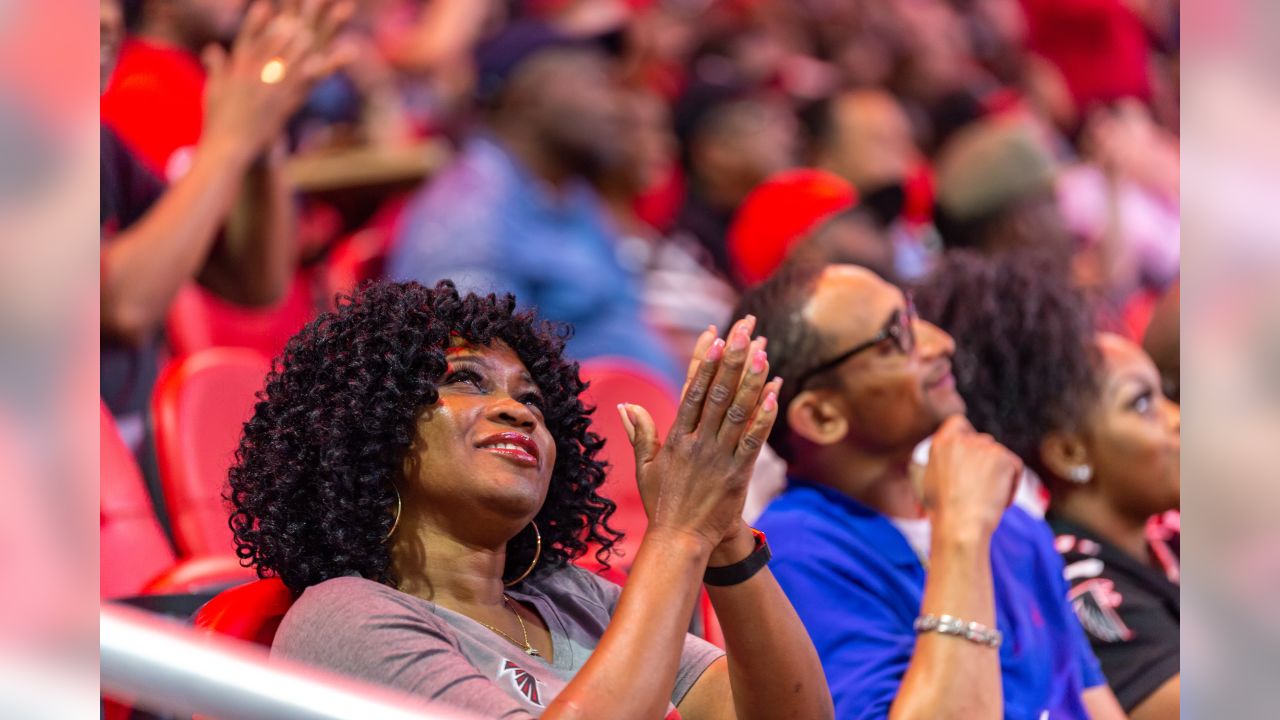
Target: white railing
(157,664)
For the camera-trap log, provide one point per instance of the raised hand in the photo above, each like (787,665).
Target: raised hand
(275,60)
(970,479)
(696,481)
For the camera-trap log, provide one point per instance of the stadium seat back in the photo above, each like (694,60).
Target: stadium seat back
(199,320)
(133,547)
(614,381)
(200,405)
(250,612)
(357,258)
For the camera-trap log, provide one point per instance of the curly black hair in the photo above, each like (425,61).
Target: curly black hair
(313,483)
(1025,359)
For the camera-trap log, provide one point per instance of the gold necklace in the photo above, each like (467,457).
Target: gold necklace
(526,646)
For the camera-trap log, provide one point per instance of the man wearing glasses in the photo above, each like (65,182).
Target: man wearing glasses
(926,594)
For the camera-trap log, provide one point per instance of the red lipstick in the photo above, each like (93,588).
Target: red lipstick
(518,448)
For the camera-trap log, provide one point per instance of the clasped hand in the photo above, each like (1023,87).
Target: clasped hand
(696,480)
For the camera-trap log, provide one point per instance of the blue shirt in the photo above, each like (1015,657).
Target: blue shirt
(857,586)
(489,225)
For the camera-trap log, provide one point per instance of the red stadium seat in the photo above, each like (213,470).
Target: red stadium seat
(133,548)
(200,574)
(135,555)
(250,612)
(199,407)
(198,320)
(614,381)
(355,259)
(709,624)
(362,255)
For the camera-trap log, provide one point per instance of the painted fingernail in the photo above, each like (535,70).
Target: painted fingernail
(758,361)
(716,350)
(771,401)
(764,342)
(628,425)
(740,339)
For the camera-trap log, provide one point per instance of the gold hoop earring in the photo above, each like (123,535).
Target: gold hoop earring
(395,523)
(536,555)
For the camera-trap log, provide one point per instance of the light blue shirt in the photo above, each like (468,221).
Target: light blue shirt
(490,225)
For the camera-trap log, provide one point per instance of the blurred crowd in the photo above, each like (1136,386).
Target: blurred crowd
(609,159)
(633,167)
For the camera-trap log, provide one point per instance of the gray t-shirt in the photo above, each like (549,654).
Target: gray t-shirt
(368,630)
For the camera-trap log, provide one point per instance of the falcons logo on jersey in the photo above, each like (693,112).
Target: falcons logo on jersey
(526,683)
(1095,602)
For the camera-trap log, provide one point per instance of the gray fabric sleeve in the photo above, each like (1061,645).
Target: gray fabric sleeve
(697,656)
(362,629)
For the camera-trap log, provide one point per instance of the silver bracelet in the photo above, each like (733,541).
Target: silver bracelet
(949,625)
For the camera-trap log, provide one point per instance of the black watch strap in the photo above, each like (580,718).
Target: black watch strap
(742,570)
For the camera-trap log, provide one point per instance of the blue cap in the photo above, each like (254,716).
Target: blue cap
(501,54)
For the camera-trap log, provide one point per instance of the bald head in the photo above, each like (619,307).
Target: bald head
(850,301)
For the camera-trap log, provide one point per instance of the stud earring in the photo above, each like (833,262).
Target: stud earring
(1080,474)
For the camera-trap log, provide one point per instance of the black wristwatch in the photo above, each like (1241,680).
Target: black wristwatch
(742,570)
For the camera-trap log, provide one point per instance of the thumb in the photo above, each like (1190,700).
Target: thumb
(641,431)
(214,59)
(955,425)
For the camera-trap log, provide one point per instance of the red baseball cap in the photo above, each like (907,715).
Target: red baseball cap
(780,212)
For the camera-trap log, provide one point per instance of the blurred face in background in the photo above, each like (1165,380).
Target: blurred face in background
(855,238)
(747,141)
(201,22)
(570,100)
(111,22)
(648,143)
(871,143)
(1004,19)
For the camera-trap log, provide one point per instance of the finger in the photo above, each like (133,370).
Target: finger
(955,425)
(339,55)
(281,40)
(643,433)
(296,48)
(699,350)
(761,425)
(254,23)
(728,377)
(214,59)
(332,20)
(691,404)
(1015,480)
(748,396)
(627,425)
(309,11)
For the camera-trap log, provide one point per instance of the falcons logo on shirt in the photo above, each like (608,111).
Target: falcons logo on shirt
(1095,602)
(526,683)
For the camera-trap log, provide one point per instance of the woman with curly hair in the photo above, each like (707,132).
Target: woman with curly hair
(1085,410)
(421,471)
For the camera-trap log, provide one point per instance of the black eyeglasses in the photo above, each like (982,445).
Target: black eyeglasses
(900,329)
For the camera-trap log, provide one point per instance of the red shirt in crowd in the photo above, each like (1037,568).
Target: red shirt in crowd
(1100,46)
(155,103)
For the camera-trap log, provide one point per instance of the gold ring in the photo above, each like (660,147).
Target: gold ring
(273,71)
